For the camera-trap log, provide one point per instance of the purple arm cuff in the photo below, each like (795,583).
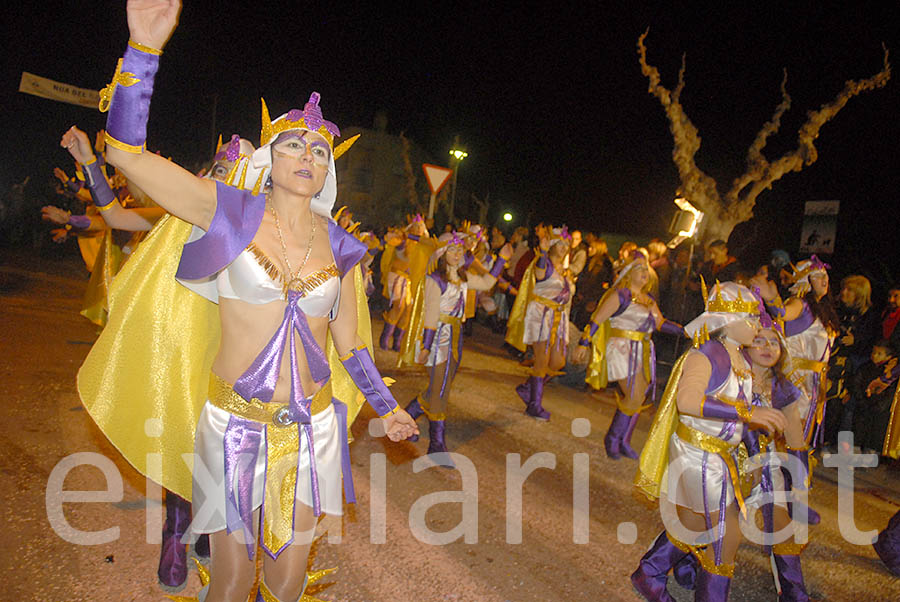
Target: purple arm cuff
(670,327)
(414,237)
(543,260)
(97,184)
(79,222)
(428,338)
(890,379)
(497,268)
(713,408)
(129,106)
(588,336)
(365,375)
(74,184)
(775,308)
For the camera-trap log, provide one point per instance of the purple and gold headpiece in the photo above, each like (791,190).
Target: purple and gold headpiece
(803,270)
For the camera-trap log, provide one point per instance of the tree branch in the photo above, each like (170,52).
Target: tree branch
(696,185)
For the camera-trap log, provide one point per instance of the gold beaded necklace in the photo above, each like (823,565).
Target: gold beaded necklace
(292,277)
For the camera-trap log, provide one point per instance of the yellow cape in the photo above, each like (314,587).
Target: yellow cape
(515,325)
(106,264)
(419,258)
(145,380)
(596,371)
(654,458)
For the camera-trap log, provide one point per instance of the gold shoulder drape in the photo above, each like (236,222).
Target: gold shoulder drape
(515,325)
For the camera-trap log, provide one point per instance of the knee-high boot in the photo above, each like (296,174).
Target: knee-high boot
(437,448)
(385,341)
(414,409)
(713,587)
(650,577)
(535,407)
(398,338)
(626,448)
(790,574)
(616,433)
(887,546)
(172,571)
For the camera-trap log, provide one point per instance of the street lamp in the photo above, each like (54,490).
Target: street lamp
(507,217)
(458,154)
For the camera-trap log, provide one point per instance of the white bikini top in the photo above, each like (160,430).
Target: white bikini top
(253,278)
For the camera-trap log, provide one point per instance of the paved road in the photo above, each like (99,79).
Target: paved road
(44,340)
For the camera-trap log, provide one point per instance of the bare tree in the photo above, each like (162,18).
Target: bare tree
(723,213)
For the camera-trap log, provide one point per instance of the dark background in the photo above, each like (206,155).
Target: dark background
(549,100)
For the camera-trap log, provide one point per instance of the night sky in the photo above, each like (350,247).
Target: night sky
(551,104)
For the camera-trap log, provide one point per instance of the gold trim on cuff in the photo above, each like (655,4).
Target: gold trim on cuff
(144,48)
(123,146)
(108,206)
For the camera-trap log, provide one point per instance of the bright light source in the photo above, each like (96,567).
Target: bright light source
(459,154)
(507,217)
(687,228)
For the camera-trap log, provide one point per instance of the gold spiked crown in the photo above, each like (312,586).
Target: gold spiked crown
(721,305)
(310,118)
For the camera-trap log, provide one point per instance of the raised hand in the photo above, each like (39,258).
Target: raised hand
(61,175)
(78,145)
(151,22)
(56,215)
(506,251)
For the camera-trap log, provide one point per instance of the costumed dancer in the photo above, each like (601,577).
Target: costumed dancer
(770,364)
(690,457)
(272,437)
(398,289)
(540,316)
(435,337)
(810,325)
(622,351)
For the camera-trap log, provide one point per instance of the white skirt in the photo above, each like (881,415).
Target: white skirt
(208,496)
(618,352)
(686,489)
(539,322)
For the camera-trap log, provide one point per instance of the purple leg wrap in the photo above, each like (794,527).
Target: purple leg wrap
(617,429)
(627,450)
(437,449)
(887,546)
(398,338)
(386,334)
(710,587)
(414,409)
(650,577)
(524,391)
(172,570)
(535,408)
(685,572)
(790,576)
(201,547)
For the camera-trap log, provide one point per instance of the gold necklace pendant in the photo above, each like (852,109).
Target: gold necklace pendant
(291,277)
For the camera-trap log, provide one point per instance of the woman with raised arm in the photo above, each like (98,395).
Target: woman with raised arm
(270,444)
(690,457)
(620,336)
(540,316)
(436,332)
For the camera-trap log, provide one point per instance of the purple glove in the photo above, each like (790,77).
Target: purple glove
(428,338)
(127,98)
(365,375)
(670,327)
(100,191)
(79,222)
(497,268)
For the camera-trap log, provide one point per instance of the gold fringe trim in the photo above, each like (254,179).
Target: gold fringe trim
(710,566)
(301,285)
(788,548)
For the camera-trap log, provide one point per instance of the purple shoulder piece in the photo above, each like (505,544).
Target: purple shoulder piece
(784,393)
(800,323)
(346,248)
(468,260)
(718,357)
(624,300)
(237,218)
(440,281)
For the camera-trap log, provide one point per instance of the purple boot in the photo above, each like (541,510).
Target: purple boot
(524,391)
(385,341)
(172,570)
(613,439)
(711,587)
(437,449)
(887,546)
(398,338)
(650,577)
(626,448)
(535,408)
(790,576)
(414,409)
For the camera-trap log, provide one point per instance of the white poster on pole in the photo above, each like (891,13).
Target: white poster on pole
(54,90)
(819,227)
